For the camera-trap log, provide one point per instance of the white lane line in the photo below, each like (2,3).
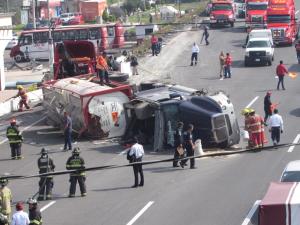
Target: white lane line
(296,140)
(251,103)
(140,213)
(251,212)
(47,206)
(26,128)
(297,12)
(123,152)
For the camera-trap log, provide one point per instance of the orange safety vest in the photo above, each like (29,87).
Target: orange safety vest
(247,123)
(102,63)
(255,124)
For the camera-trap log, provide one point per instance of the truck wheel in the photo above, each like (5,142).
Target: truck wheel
(232,24)
(19,57)
(119,77)
(223,144)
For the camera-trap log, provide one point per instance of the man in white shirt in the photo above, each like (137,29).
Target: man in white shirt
(20,217)
(137,153)
(195,51)
(276,127)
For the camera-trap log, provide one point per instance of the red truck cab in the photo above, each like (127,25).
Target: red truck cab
(222,13)
(256,14)
(282,21)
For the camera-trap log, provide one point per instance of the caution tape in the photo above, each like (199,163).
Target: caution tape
(64,172)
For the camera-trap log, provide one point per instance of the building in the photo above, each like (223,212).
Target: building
(5,37)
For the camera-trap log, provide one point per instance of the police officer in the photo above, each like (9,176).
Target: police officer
(75,162)
(137,153)
(15,139)
(35,215)
(46,165)
(178,138)
(189,146)
(5,199)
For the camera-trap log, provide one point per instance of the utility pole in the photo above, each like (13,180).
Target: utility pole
(48,5)
(33,13)
(7,6)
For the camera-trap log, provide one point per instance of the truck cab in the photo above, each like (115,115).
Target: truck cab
(282,21)
(154,113)
(222,13)
(256,14)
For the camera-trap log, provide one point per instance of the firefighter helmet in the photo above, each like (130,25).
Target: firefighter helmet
(44,151)
(32,201)
(3,181)
(76,151)
(19,87)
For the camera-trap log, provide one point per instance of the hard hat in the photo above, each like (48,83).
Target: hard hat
(76,150)
(44,151)
(13,120)
(32,201)
(3,181)
(245,111)
(19,87)
(251,110)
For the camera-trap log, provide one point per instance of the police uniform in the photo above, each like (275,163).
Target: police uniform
(5,199)
(188,137)
(75,162)
(15,141)
(46,165)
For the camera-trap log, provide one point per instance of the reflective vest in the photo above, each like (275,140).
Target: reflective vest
(76,163)
(13,135)
(255,124)
(45,165)
(247,123)
(5,201)
(35,217)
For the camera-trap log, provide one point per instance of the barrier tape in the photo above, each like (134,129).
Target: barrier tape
(63,172)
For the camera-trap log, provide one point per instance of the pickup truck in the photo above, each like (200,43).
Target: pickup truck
(259,51)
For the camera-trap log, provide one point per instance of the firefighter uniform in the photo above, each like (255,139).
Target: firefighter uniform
(5,199)
(245,113)
(15,140)
(255,126)
(35,215)
(46,165)
(23,101)
(75,162)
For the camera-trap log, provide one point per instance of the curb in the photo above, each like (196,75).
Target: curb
(12,104)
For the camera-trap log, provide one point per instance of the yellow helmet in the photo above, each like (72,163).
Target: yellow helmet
(19,87)
(251,110)
(245,111)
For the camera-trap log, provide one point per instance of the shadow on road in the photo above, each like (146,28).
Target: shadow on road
(111,189)
(295,112)
(163,169)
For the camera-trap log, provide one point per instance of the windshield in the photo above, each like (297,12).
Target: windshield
(257,6)
(279,19)
(239,1)
(291,176)
(258,44)
(222,7)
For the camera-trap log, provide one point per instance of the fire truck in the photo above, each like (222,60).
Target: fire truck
(256,14)
(222,13)
(282,21)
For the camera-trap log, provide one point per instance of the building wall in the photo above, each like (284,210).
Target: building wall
(5,37)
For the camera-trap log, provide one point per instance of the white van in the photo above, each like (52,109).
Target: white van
(261,33)
(66,17)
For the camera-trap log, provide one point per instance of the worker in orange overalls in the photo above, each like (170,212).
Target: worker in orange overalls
(23,101)
(245,113)
(255,125)
(102,68)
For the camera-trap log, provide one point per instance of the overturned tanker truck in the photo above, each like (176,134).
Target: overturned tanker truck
(153,114)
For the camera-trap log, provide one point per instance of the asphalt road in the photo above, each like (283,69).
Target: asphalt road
(220,192)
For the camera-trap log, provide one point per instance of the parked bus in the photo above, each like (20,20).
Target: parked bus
(35,42)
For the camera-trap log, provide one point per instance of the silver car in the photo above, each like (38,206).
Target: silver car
(291,172)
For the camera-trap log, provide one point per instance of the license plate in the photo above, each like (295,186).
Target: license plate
(221,21)
(257,60)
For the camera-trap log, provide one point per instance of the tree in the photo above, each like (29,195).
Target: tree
(130,6)
(105,15)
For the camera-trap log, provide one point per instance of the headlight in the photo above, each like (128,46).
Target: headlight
(212,17)
(247,54)
(268,53)
(230,16)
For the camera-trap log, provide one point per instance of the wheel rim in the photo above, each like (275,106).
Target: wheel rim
(18,58)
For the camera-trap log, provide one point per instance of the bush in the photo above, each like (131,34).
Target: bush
(105,15)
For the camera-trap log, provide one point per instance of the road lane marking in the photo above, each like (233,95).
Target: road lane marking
(251,103)
(297,12)
(26,128)
(140,213)
(47,206)
(251,212)
(296,140)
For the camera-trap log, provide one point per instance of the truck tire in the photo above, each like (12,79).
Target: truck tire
(232,24)
(19,57)
(223,144)
(119,77)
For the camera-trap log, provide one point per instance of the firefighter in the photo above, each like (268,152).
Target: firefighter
(255,125)
(35,215)
(245,113)
(102,68)
(23,101)
(297,46)
(75,162)
(46,165)
(5,199)
(15,139)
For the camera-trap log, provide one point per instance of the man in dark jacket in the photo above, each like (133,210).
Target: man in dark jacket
(35,215)
(267,106)
(205,35)
(75,162)
(15,139)
(189,146)
(178,143)
(46,165)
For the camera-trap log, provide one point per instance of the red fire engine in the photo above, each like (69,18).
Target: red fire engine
(256,14)
(222,13)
